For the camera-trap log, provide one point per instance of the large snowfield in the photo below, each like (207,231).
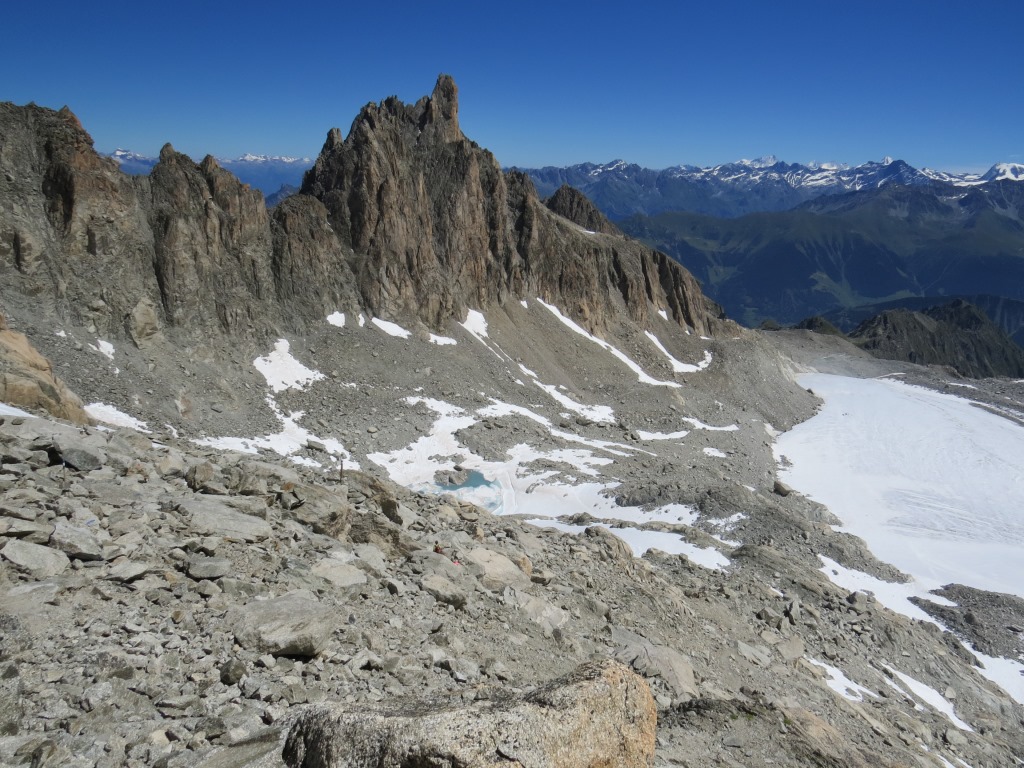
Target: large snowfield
(931,482)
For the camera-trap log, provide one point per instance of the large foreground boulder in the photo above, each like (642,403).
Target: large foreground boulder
(601,715)
(27,379)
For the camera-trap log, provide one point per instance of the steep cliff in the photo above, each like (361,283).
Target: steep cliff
(443,229)
(572,204)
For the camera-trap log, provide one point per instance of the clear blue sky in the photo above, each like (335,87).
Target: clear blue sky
(934,82)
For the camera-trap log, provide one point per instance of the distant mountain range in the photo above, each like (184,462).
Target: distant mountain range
(621,189)
(266,173)
(886,244)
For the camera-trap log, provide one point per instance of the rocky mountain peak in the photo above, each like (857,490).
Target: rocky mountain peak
(957,334)
(442,109)
(444,229)
(576,207)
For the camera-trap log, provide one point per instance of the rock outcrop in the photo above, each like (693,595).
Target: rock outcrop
(443,229)
(957,334)
(601,715)
(573,205)
(27,379)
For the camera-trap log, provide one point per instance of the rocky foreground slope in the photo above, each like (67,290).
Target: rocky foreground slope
(298,538)
(168,606)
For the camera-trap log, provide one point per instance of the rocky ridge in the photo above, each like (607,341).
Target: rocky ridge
(443,229)
(404,218)
(957,334)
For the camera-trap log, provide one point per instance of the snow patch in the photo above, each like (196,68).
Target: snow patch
(698,424)
(931,697)
(662,435)
(513,486)
(282,371)
(291,439)
(391,329)
(442,341)
(476,324)
(105,348)
(892,595)
(663,313)
(709,451)
(677,366)
(841,684)
(336,319)
(10,410)
(641,374)
(108,414)
(1006,673)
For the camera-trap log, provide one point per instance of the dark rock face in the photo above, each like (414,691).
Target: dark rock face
(818,324)
(404,217)
(573,205)
(956,334)
(212,244)
(444,229)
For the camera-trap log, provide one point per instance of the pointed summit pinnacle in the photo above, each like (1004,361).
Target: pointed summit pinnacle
(443,108)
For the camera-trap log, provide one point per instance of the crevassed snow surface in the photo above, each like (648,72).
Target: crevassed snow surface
(391,329)
(933,484)
(108,414)
(282,371)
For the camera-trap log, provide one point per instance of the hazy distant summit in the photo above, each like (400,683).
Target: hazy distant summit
(621,189)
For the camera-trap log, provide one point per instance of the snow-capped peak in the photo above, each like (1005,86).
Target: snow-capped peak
(767,161)
(1005,172)
(248,157)
(120,155)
